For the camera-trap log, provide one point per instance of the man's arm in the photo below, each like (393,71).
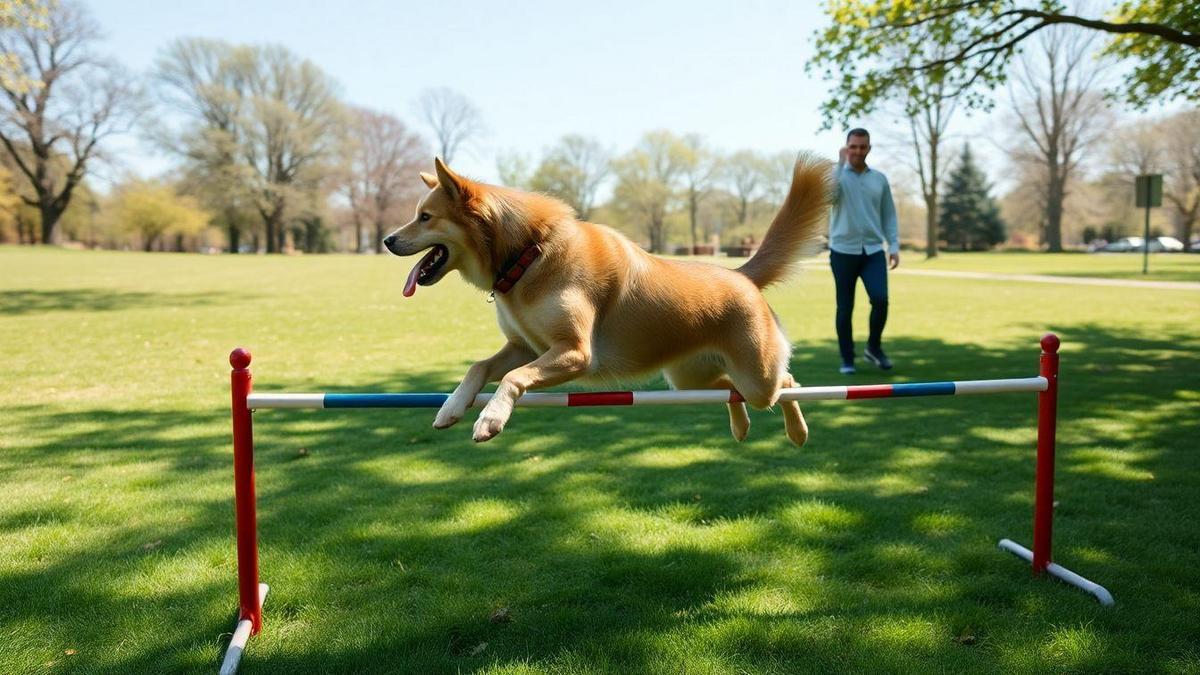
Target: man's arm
(891,229)
(837,172)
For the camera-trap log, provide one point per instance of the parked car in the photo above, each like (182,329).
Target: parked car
(1157,245)
(1123,245)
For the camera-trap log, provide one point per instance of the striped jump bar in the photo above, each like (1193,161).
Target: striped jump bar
(668,397)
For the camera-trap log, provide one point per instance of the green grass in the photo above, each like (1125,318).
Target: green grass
(1162,266)
(626,540)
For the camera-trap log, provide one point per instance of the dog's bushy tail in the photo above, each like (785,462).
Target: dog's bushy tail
(796,231)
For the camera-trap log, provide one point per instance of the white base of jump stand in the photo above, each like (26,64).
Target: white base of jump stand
(241,634)
(1061,573)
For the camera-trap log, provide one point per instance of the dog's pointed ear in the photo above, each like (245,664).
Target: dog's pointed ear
(454,185)
(429,179)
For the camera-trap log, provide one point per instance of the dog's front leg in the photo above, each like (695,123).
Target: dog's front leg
(561,363)
(510,356)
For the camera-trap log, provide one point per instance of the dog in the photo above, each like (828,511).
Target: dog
(579,300)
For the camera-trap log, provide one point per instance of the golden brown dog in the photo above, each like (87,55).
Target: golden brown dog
(588,302)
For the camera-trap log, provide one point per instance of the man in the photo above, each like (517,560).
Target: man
(863,220)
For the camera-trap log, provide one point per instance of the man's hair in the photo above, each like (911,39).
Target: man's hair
(858,131)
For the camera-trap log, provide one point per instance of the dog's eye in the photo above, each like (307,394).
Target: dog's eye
(425,217)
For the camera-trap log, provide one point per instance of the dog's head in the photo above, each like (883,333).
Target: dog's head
(444,228)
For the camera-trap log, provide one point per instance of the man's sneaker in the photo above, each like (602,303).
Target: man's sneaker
(847,368)
(878,358)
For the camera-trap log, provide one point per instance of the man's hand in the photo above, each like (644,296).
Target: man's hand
(893,260)
(842,152)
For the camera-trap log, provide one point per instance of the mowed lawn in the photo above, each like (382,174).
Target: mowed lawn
(636,540)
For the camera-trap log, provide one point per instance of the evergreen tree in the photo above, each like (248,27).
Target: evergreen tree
(970,219)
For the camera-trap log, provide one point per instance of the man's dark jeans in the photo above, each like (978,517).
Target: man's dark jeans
(847,269)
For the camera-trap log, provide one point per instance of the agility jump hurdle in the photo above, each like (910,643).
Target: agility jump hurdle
(252,594)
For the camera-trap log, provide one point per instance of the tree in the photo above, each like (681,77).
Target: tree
(648,183)
(10,201)
(1058,116)
(385,161)
(204,80)
(970,218)
(1181,136)
(744,173)
(870,50)
(258,116)
(514,169)
(928,108)
(52,129)
(452,117)
(14,15)
(573,171)
(699,172)
(150,210)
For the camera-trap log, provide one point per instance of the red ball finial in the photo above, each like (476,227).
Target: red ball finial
(239,358)
(1049,343)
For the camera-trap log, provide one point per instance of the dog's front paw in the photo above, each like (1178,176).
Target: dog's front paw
(487,427)
(445,419)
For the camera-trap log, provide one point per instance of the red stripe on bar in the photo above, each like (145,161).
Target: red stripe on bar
(600,398)
(735,396)
(869,391)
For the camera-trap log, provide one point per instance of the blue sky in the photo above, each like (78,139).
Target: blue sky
(733,72)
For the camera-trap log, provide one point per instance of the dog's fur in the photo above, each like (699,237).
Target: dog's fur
(595,304)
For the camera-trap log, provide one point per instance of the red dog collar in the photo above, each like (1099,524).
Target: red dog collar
(508,278)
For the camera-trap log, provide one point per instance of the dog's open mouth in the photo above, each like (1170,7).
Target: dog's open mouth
(426,271)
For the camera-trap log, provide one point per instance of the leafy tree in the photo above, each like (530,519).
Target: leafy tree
(260,120)
(1059,115)
(701,167)
(573,171)
(871,48)
(1181,138)
(14,15)
(10,201)
(648,183)
(57,110)
(150,209)
(970,218)
(514,169)
(746,175)
(382,184)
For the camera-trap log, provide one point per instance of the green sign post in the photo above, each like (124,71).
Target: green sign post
(1148,191)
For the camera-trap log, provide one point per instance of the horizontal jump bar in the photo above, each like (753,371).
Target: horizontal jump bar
(668,397)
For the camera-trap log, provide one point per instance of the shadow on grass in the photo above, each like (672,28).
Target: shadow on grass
(30,301)
(642,538)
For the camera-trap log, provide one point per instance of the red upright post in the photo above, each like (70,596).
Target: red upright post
(1043,500)
(243,479)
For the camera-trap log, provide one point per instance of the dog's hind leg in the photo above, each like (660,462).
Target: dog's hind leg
(793,419)
(708,372)
(758,373)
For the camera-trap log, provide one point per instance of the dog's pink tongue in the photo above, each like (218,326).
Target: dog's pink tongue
(410,286)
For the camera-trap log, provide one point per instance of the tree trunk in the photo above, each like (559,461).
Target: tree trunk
(1054,211)
(273,224)
(50,216)
(379,227)
(693,206)
(931,194)
(235,232)
(931,225)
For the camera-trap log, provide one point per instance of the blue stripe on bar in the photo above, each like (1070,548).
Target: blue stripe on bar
(923,389)
(385,400)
